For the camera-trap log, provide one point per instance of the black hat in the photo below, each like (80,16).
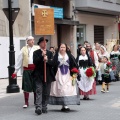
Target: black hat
(41,39)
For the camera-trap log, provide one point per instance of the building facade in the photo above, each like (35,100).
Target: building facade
(91,20)
(65,28)
(21,29)
(98,20)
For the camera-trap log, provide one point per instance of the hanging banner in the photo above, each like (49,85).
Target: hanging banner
(44,21)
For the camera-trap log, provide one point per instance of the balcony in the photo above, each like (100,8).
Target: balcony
(109,7)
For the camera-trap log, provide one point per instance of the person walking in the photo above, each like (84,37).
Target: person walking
(114,58)
(25,61)
(42,87)
(64,90)
(95,61)
(105,70)
(86,84)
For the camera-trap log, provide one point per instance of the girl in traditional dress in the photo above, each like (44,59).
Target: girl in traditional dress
(114,58)
(86,84)
(105,70)
(62,91)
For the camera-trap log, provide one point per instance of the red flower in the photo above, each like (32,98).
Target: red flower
(75,70)
(109,63)
(114,68)
(89,72)
(14,76)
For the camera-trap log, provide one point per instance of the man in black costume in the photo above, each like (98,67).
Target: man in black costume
(42,87)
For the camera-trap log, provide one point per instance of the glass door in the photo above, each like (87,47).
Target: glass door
(81,34)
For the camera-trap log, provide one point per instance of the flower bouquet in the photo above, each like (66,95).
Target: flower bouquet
(75,73)
(109,64)
(113,67)
(90,72)
(107,69)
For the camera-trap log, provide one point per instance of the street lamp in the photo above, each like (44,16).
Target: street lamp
(11,10)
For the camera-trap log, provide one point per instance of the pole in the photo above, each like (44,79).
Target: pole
(12,87)
(44,62)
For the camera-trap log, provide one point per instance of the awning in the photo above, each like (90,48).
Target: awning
(66,22)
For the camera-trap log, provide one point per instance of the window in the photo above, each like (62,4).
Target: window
(81,34)
(99,34)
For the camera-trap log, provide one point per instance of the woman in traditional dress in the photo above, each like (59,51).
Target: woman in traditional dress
(114,58)
(103,52)
(62,91)
(86,84)
(102,55)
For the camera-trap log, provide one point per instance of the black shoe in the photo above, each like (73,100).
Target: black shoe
(44,111)
(84,98)
(38,111)
(65,109)
(88,98)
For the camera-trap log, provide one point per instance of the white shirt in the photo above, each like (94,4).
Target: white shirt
(19,61)
(96,60)
(81,57)
(115,52)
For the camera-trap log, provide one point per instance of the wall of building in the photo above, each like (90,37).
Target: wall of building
(22,23)
(21,29)
(3,21)
(110,27)
(54,42)
(69,37)
(4,48)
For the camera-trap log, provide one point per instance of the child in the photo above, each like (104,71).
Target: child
(105,70)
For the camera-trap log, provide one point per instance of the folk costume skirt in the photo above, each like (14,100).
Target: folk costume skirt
(28,83)
(86,85)
(63,92)
(90,92)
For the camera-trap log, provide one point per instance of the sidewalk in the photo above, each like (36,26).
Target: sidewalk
(3,85)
